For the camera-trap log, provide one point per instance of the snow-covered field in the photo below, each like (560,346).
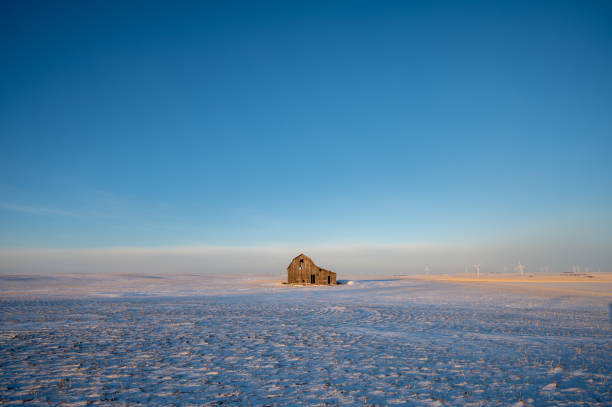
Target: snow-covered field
(196,340)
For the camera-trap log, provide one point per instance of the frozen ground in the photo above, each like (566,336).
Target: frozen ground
(193,340)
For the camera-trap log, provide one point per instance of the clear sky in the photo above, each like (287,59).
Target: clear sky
(169,124)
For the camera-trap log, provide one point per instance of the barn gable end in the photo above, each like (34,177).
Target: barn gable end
(303,270)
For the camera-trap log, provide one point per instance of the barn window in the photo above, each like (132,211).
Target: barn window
(301,261)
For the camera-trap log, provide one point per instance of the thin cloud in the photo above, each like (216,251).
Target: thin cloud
(36,210)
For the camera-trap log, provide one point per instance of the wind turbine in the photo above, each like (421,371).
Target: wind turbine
(520,268)
(477,267)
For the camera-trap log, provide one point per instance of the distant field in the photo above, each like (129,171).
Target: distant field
(526,278)
(195,340)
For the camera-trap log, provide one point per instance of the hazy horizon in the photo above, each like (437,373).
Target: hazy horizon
(345,260)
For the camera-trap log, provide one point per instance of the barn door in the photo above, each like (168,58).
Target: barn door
(328,279)
(312,279)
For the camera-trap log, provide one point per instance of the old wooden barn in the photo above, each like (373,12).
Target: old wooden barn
(303,270)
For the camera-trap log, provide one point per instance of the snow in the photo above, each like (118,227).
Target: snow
(199,340)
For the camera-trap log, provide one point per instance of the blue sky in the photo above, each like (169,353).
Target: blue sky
(159,124)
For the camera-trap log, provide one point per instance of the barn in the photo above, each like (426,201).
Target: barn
(303,270)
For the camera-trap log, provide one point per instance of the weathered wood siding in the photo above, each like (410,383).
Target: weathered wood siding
(302,269)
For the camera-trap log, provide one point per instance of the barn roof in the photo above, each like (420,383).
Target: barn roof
(303,256)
